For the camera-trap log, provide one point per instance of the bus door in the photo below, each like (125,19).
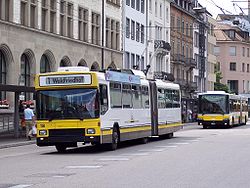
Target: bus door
(153,108)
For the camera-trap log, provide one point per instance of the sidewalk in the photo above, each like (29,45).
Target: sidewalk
(7,141)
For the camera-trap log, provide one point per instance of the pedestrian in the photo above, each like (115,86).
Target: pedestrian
(29,121)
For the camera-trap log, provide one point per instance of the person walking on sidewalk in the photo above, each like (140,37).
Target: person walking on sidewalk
(29,121)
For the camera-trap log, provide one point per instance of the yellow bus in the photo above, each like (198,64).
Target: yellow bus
(217,108)
(76,105)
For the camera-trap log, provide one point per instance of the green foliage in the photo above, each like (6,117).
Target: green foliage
(219,86)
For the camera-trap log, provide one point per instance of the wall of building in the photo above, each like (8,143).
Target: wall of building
(224,58)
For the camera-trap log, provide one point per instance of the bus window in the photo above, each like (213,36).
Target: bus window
(176,99)
(136,96)
(168,97)
(161,98)
(126,96)
(115,95)
(145,97)
(103,99)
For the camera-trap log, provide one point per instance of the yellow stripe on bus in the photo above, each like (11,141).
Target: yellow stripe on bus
(141,128)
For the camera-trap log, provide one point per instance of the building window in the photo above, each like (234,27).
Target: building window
(127,27)
(187,28)
(150,5)
(132,29)
(5,10)
(178,24)
(62,18)
(232,66)
(113,34)
(117,33)
(167,16)
(133,3)
(137,61)
(132,60)
(247,52)
(127,62)
(182,26)
(142,34)
(53,16)
(25,74)
(142,6)
(233,86)
(128,2)
(172,23)
(156,11)
(160,10)
(196,39)
(33,15)
(137,36)
(232,50)
(44,15)
(243,67)
(247,67)
(142,63)
(95,29)
(83,16)
(3,74)
(243,51)
(24,12)
(70,20)
(44,64)
(138,5)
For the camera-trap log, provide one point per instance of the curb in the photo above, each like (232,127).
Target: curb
(4,146)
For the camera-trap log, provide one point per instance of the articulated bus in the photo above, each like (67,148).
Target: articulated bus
(220,108)
(75,105)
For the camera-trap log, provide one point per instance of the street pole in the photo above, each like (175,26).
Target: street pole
(103,16)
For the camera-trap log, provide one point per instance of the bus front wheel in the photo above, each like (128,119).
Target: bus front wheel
(61,148)
(115,140)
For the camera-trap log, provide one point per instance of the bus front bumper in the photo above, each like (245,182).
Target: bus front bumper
(224,122)
(51,141)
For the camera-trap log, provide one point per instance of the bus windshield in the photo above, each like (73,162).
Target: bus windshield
(67,104)
(213,104)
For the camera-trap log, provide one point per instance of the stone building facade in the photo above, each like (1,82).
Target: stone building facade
(39,36)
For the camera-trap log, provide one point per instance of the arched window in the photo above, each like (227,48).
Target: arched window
(25,74)
(63,63)
(95,67)
(44,64)
(3,74)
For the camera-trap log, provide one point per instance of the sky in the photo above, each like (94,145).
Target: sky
(225,4)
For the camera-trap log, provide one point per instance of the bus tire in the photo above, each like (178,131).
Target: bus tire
(61,148)
(115,140)
(204,126)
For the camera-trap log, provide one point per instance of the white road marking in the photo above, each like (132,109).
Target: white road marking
(166,146)
(84,167)
(194,140)
(180,143)
(113,159)
(136,154)
(20,186)
(152,150)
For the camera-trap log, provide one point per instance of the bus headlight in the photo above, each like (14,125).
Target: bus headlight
(43,132)
(91,131)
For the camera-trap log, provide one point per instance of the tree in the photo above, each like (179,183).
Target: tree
(219,86)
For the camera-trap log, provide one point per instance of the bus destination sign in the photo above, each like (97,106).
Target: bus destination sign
(62,80)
